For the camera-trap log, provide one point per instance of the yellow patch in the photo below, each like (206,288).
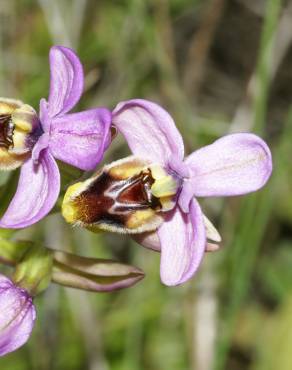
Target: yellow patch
(19,138)
(125,168)
(157,171)
(69,210)
(167,203)
(140,218)
(23,118)
(164,184)
(8,106)
(164,187)
(10,161)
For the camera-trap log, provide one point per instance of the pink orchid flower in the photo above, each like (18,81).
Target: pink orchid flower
(233,165)
(33,142)
(152,194)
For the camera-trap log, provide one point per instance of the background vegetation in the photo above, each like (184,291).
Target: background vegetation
(218,66)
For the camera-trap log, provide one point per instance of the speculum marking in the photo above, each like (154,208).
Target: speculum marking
(6,131)
(113,200)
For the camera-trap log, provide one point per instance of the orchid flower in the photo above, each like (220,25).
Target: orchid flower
(156,188)
(33,142)
(17,316)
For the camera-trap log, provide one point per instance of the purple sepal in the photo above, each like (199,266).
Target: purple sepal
(67,80)
(81,139)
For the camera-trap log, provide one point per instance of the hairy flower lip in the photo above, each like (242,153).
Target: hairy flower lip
(116,198)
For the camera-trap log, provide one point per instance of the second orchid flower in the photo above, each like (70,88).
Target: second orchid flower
(33,142)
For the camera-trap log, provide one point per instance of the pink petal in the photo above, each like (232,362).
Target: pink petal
(233,165)
(66,80)
(151,240)
(80,139)
(183,242)
(149,130)
(40,145)
(17,316)
(36,194)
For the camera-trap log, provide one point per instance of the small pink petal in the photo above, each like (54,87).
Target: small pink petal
(183,242)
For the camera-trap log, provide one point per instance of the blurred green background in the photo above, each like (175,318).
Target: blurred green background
(217,66)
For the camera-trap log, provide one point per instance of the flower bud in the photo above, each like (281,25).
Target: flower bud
(34,271)
(19,130)
(93,274)
(17,316)
(37,266)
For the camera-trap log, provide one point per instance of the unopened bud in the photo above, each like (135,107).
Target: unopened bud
(34,271)
(93,274)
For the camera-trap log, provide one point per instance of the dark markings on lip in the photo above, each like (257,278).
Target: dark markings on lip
(6,131)
(111,200)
